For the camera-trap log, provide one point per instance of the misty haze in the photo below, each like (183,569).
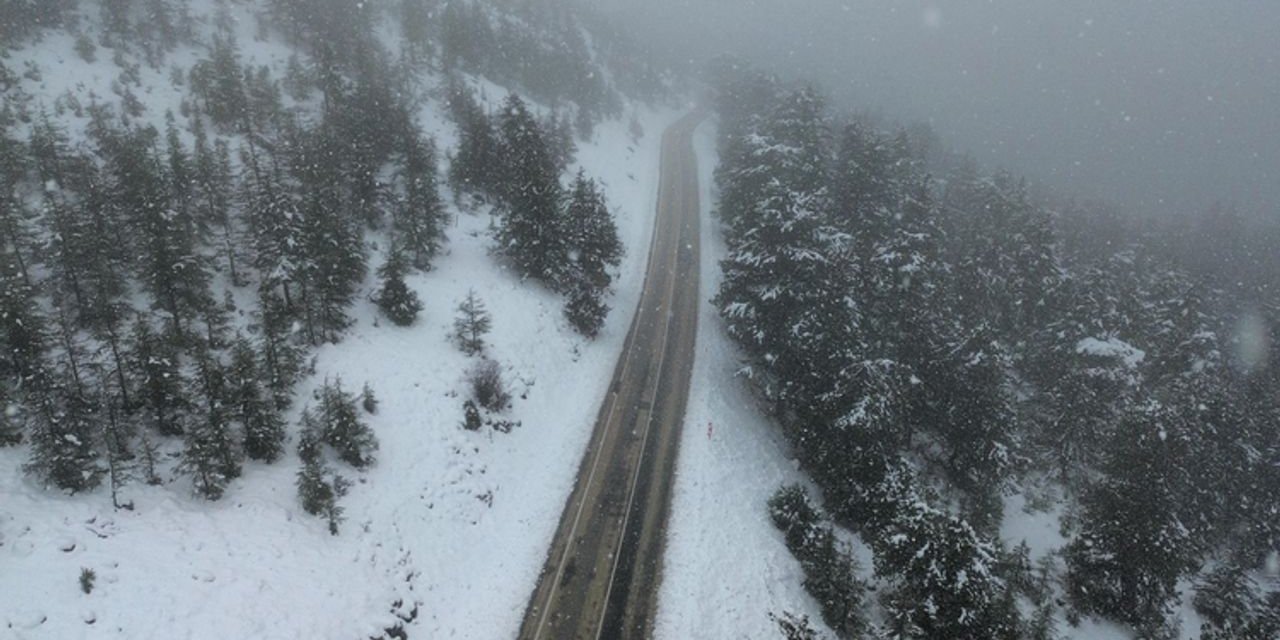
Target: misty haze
(674,319)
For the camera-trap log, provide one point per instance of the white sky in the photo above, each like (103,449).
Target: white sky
(1157,105)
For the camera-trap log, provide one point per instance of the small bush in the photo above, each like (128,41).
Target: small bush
(368,400)
(87,578)
(487,387)
(471,416)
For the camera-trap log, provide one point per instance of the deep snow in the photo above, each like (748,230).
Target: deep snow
(454,522)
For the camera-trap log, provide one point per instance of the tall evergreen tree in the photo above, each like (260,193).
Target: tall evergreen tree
(161,386)
(395,298)
(252,406)
(211,454)
(531,232)
(420,218)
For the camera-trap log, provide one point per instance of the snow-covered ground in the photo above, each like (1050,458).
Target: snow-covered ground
(453,522)
(726,567)
(456,521)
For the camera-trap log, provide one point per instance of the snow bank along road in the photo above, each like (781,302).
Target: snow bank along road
(602,573)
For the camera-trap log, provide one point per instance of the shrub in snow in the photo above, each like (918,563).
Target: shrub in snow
(829,567)
(87,577)
(368,400)
(471,416)
(487,387)
(794,628)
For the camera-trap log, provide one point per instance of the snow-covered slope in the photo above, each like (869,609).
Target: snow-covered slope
(726,567)
(448,529)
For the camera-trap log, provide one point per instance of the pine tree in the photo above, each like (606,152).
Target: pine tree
(170,267)
(220,82)
(585,307)
(281,357)
(63,435)
(591,233)
(419,221)
(395,298)
(471,324)
(332,246)
(416,17)
(1126,562)
(475,168)
(943,581)
(210,454)
(251,406)
(531,232)
(212,176)
(154,363)
(319,489)
(342,429)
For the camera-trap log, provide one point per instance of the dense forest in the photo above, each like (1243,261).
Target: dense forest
(164,275)
(931,344)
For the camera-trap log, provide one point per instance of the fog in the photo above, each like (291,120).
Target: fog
(1162,107)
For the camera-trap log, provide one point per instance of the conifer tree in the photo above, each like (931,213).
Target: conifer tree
(1126,562)
(162,389)
(395,298)
(591,233)
(342,429)
(585,307)
(210,453)
(63,434)
(281,357)
(531,232)
(251,405)
(419,220)
(331,241)
(471,324)
(475,167)
(212,186)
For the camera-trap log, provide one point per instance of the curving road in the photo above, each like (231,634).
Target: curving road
(602,573)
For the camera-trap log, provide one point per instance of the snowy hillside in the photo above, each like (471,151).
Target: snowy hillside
(445,533)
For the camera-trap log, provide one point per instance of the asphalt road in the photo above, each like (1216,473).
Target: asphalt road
(602,573)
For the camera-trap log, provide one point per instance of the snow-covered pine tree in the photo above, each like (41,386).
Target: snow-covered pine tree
(169,267)
(476,164)
(943,581)
(210,455)
(531,233)
(161,386)
(63,434)
(591,233)
(211,170)
(781,284)
(395,298)
(471,415)
(219,83)
(419,220)
(1126,562)
(342,428)
(471,324)
(331,242)
(319,489)
(585,307)
(251,404)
